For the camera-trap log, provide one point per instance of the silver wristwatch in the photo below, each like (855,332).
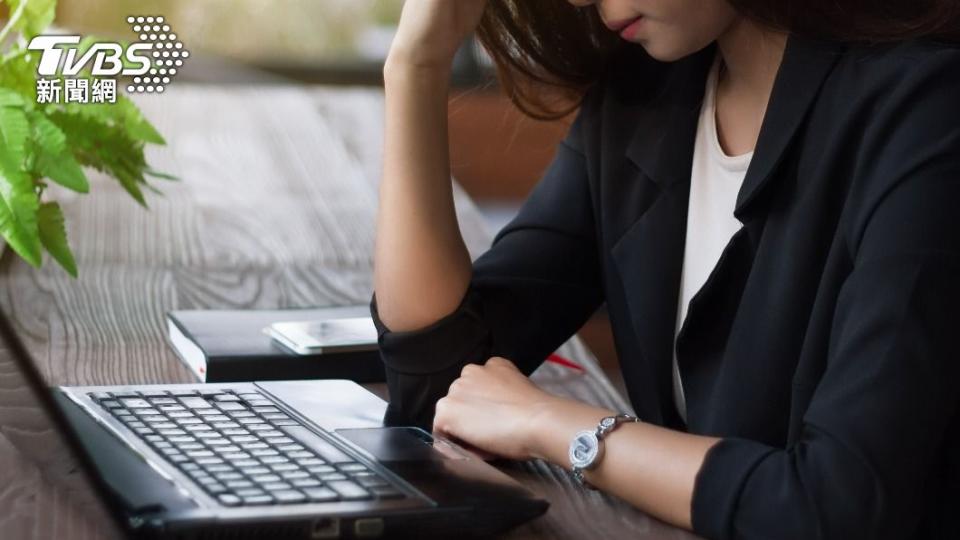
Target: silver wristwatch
(586,448)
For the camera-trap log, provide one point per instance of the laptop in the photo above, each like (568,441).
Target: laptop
(278,459)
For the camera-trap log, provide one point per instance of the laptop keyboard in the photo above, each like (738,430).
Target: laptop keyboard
(242,449)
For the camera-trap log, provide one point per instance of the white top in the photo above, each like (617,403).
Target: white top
(714,184)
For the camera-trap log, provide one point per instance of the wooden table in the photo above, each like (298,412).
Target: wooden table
(276,208)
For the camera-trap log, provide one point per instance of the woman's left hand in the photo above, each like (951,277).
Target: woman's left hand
(493,407)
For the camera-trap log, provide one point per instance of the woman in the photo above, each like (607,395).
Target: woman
(763,197)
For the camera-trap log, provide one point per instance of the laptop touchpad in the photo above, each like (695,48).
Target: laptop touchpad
(400,444)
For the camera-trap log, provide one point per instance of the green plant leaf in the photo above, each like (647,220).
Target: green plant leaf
(53,158)
(18,72)
(106,147)
(18,209)
(14,131)
(53,236)
(10,98)
(161,175)
(124,113)
(37,16)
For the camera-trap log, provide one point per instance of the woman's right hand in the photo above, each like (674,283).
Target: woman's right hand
(431,31)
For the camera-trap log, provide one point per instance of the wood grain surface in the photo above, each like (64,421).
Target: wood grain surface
(275,208)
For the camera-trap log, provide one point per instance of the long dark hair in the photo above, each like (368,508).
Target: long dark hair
(548,52)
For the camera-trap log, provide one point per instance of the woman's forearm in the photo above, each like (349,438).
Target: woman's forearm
(422,267)
(651,467)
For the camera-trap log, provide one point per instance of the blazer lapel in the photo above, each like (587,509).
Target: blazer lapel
(805,65)
(648,256)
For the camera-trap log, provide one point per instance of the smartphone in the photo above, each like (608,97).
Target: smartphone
(325,336)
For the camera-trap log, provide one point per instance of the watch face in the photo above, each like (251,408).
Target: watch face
(584,449)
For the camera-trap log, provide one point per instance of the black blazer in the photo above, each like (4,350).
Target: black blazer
(823,346)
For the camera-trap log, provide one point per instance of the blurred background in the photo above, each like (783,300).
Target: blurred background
(497,154)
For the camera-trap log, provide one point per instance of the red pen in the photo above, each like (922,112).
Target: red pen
(557,359)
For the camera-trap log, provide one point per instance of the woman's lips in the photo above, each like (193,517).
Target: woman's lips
(629,30)
(617,26)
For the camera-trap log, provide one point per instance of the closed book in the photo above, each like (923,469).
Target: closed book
(231,346)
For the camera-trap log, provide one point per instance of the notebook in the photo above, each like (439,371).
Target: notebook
(231,346)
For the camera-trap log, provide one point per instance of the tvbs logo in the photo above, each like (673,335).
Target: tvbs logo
(152,62)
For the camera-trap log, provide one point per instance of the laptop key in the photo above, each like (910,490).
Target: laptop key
(216,488)
(258,500)
(110,404)
(226,397)
(171,408)
(332,477)
(219,441)
(348,490)
(321,494)
(265,478)
(228,499)
(313,441)
(386,492)
(266,409)
(136,403)
(240,484)
(230,406)
(276,486)
(255,446)
(195,403)
(306,482)
(289,497)
(259,403)
(193,446)
(279,440)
